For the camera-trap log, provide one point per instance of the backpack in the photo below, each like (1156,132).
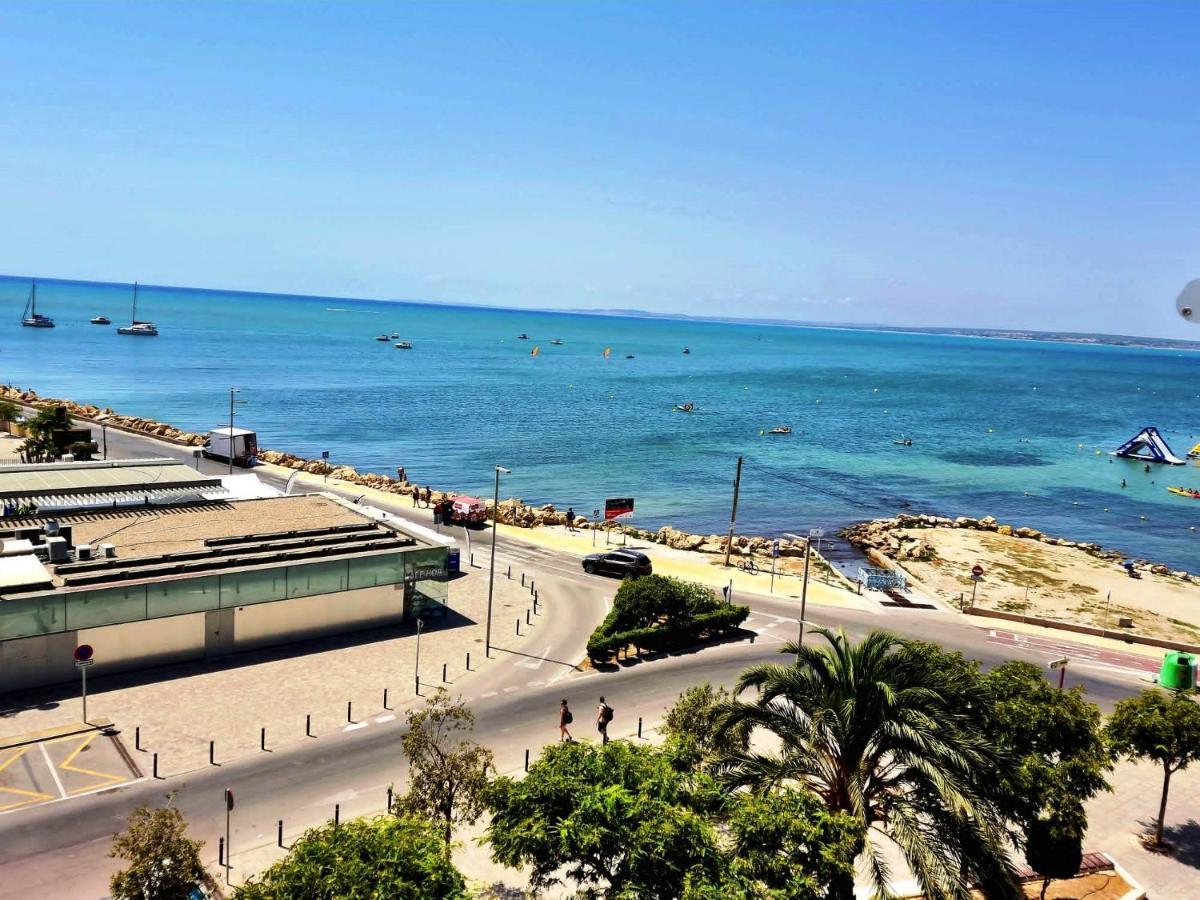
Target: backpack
(568,717)
(606,714)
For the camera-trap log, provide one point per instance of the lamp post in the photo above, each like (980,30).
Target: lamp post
(417,662)
(812,532)
(487,644)
(232,403)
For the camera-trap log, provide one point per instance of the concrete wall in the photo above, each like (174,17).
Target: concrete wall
(47,659)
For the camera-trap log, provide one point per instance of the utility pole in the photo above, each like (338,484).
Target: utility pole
(232,402)
(487,644)
(737,483)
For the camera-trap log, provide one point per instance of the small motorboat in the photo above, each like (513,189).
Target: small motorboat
(100,320)
(395,336)
(685,407)
(382,337)
(556,342)
(629,356)
(403,345)
(522,336)
(1194,453)
(903,442)
(781,429)
(1185,492)
(686,351)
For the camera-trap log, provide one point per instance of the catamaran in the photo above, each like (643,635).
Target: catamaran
(31,318)
(146,329)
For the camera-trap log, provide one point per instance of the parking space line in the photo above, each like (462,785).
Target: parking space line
(62,791)
(66,766)
(34,796)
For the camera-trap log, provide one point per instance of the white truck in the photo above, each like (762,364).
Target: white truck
(236,444)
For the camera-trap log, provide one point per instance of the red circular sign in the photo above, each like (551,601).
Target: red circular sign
(977,570)
(83,652)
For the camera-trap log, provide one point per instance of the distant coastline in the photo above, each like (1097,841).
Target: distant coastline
(1007,334)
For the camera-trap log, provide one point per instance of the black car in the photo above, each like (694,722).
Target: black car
(623,563)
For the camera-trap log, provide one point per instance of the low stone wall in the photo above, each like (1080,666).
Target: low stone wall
(1082,629)
(883,537)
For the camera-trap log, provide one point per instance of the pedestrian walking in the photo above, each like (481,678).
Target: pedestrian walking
(570,519)
(416,495)
(604,714)
(565,718)
(428,495)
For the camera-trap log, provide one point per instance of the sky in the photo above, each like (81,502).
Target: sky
(1006,164)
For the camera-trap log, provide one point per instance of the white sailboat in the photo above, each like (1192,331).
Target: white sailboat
(31,318)
(146,329)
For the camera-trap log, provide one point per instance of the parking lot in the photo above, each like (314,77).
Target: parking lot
(59,768)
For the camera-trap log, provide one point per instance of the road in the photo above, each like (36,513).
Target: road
(58,849)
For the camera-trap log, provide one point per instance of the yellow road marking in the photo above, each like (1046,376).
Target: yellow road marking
(35,796)
(65,766)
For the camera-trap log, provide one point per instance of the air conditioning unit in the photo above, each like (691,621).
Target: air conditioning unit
(83,552)
(57,549)
(108,551)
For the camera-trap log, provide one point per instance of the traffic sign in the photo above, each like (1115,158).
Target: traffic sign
(228,800)
(84,663)
(977,570)
(774,548)
(1058,663)
(83,652)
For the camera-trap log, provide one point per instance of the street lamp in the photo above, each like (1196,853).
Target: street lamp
(812,532)
(232,403)
(417,662)
(487,645)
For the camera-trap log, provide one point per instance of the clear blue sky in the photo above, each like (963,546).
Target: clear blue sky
(1005,164)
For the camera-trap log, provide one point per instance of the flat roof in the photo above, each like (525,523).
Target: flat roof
(101,477)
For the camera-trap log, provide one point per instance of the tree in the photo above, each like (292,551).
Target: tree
(400,857)
(1164,728)
(871,730)
(9,411)
(164,863)
(447,772)
(619,816)
(640,602)
(694,722)
(1054,847)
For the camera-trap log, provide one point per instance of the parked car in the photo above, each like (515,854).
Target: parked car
(622,563)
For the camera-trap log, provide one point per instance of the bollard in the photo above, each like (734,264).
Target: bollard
(220,851)
(337,814)
(531,586)
(444,679)
(510,571)
(468,660)
(518,627)
(281,832)
(522,579)
(527,622)
(385,706)
(639,726)
(472,557)
(535,603)
(308,725)
(389,803)
(155,765)
(526,759)
(137,738)
(350,711)
(262,738)
(212,749)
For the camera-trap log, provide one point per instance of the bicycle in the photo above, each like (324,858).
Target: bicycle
(748,566)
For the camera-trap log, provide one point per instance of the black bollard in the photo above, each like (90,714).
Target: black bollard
(510,571)
(262,738)
(155,765)
(518,627)
(350,711)
(468,660)
(444,679)
(389,802)
(639,726)
(308,725)
(137,738)
(527,622)
(212,750)
(337,814)
(281,832)
(220,851)
(522,579)
(527,759)
(385,706)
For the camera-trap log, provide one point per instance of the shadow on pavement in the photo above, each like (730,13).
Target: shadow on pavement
(1185,839)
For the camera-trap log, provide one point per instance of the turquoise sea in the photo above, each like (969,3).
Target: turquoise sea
(1019,430)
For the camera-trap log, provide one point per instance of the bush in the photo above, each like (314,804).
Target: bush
(667,635)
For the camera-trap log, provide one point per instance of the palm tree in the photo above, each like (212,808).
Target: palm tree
(870,731)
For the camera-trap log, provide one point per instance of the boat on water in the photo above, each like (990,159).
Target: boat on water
(135,327)
(403,345)
(382,337)
(394,336)
(31,318)
(100,320)
(1185,492)
(685,407)
(1194,453)
(781,429)
(686,351)
(556,342)
(629,356)
(522,336)
(903,442)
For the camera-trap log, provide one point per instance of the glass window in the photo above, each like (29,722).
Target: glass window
(175,598)
(256,586)
(423,565)
(27,616)
(375,570)
(317,578)
(107,606)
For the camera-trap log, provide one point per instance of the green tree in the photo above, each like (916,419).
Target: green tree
(401,857)
(869,729)
(1158,726)
(447,771)
(694,722)
(164,863)
(9,411)
(640,602)
(620,817)
(1054,847)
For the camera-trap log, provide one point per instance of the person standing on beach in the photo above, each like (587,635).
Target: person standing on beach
(416,495)
(427,495)
(604,715)
(565,718)
(570,519)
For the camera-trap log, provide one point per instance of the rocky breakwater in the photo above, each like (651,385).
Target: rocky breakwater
(887,540)
(103,416)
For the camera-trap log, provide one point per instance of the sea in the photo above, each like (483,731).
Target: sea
(1020,430)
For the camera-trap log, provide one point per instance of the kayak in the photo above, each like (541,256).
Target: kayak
(1185,492)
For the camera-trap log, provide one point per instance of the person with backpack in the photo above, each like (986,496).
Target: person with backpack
(565,718)
(604,714)
(570,519)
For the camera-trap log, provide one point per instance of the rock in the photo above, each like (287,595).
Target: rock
(988,523)
(965,522)
(1031,533)
(1160,570)
(1005,530)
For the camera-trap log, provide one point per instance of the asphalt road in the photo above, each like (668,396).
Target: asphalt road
(59,849)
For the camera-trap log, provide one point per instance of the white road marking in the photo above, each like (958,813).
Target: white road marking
(53,772)
(388,718)
(534,683)
(354,726)
(509,690)
(535,664)
(489,694)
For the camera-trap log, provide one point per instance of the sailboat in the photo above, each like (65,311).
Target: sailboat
(146,329)
(31,318)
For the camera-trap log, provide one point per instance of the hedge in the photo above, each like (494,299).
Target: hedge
(601,646)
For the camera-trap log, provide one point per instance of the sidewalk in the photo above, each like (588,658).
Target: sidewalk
(180,709)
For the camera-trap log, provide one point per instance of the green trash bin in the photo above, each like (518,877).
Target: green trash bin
(1178,672)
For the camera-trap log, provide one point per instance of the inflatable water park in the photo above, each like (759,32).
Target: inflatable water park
(1149,446)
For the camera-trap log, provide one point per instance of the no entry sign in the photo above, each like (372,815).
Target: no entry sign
(977,570)
(83,652)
